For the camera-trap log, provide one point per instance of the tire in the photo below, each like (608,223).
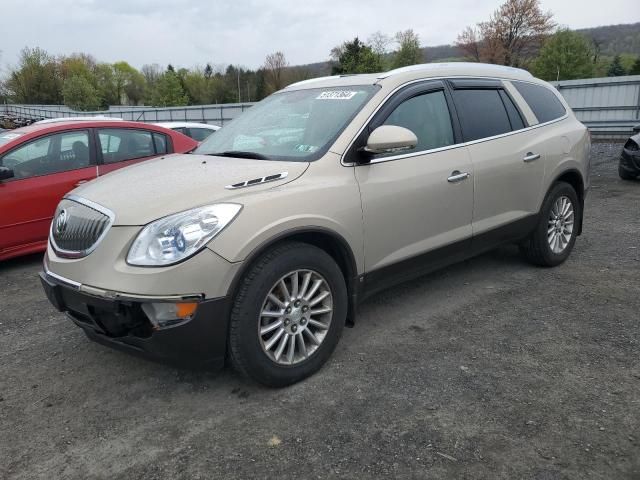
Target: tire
(625,175)
(248,350)
(537,247)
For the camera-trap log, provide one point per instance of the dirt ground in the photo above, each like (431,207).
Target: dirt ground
(488,369)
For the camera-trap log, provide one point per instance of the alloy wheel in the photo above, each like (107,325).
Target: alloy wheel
(295,317)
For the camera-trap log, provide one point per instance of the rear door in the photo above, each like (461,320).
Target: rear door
(120,147)
(44,170)
(508,160)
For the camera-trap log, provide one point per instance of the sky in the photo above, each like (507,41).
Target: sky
(189,33)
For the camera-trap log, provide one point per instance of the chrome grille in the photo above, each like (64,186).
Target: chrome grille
(78,226)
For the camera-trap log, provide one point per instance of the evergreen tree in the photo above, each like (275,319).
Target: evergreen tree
(635,69)
(616,69)
(355,57)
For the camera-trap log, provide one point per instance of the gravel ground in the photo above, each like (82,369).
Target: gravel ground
(487,369)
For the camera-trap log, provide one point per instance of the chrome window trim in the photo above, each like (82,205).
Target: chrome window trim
(440,149)
(82,253)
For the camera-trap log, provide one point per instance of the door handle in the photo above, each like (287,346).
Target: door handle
(530,157)
(457,176)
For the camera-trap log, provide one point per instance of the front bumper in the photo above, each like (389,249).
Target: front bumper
(118,321)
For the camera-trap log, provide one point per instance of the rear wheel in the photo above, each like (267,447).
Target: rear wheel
(552,241)
(288,315)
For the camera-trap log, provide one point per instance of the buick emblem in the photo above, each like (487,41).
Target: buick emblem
(61,221)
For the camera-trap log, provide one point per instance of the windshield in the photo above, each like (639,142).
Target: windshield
(6,137)
(298,125)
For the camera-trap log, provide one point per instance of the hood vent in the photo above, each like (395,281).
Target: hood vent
(258,181)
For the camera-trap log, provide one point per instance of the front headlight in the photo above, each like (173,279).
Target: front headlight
(176,237)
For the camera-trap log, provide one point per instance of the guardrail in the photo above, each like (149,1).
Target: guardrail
(609,107)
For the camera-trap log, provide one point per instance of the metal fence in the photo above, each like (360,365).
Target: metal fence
(610,107)
(213,114)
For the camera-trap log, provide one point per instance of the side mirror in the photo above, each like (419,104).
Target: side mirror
(5,173)
(390,139)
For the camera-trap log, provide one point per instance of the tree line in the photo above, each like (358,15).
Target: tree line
(519,33)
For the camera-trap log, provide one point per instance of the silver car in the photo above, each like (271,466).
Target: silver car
(259,246)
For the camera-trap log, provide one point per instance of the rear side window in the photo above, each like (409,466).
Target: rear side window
(119,145)
(545,105)
(514,115)
(160,141)
(427,116)
(199,134)
(482,113)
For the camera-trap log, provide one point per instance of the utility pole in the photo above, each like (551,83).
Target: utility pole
(248,92)
(238,68)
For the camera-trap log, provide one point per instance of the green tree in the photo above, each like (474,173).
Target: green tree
(168,91)
(355,57)
(566,55)
(106,85)
(198,87)
(409,51)
(635,68)
(37,80)
(80,94)
(129,83)
(616,69)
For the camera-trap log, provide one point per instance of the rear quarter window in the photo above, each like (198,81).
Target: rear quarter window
(544,103)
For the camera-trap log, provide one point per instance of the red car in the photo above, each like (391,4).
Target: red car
(42,162)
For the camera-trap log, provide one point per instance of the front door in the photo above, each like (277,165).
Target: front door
(417,206)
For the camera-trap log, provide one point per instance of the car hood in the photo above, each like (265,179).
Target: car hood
(156,188)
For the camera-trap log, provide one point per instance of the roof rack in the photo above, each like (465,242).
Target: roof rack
(466,65)
(312,80)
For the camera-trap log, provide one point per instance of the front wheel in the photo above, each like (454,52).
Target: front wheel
(288,315)
(552,241)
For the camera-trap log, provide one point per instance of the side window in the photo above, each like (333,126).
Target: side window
(482,113)
(160,142)
(199,134)
(426,115)
(514,115)
(51,154)
(118,145)
(545,105)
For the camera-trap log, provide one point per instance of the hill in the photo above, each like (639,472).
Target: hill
(609,39)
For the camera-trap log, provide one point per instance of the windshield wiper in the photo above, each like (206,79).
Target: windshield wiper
(240,154)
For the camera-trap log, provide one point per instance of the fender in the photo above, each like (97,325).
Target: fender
(316,236)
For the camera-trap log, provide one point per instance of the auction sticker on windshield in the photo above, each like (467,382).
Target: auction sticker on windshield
(336,95)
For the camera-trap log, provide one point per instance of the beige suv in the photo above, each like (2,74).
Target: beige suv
(259,246)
